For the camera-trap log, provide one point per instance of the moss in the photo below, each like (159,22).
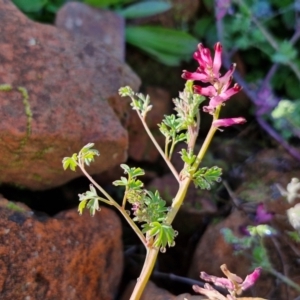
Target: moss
(28,111)
(24,93)
(5,87)
(13,206)
(37,177)
(40,154)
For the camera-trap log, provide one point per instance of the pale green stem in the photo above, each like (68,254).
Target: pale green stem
(166,147)
(168,162)
(142,281)
(172,149)
(125,194)
(105,200)
(115,204)
(284,279)
(176,204)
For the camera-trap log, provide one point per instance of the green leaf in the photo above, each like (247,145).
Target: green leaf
(294,235)
(87,154)
(145,9)
(81,206)
(261,230)
(166,45)
(30,6)
(132,172)
(126,91)
(70,162)
(286,53)
(105,3)
(122,182)
(90,200)
(202,25)
(93,205)
(187,157)
(205,178)
(164,234)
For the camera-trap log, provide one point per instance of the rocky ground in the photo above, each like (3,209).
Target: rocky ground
(61,93)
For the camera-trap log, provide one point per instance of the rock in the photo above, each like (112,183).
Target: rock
(212,251)
(65,257)
(153,292)
(94,24)
(259,175)
(98,24)
(141,147)
(182,11)
(68,80)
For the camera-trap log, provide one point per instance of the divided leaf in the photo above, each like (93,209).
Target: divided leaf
(205,178)
(90,200)
(164,234)
(70,162)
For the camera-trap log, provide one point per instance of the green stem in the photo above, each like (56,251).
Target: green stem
(115,204)
(142,281)
(177,202)
(168,162)
(284,279)
(125,194)
(172,148)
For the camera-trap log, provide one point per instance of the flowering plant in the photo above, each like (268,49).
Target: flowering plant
(149,209)
(233,284)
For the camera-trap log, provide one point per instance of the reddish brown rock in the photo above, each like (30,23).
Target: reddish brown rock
(212,251)
(98,24)
(259,175)
(80,19)
(69,80)
(65,257)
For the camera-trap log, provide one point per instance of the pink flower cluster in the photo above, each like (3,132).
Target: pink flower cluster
(233,283)
(219,90)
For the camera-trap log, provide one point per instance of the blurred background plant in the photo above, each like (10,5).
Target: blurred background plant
(169,46)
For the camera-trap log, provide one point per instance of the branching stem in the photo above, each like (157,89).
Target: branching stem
(168,162)
(115,204)
(177,202)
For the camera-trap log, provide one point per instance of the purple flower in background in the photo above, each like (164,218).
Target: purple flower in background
(262,215)
(222,8)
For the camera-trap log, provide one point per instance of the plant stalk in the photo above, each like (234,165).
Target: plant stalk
(116,205)
(161,152)
(145,273)
(177,202)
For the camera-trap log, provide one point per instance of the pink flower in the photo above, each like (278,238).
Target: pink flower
(208,70)
(233,283)
(217,96)
(228,122)
(251,279)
